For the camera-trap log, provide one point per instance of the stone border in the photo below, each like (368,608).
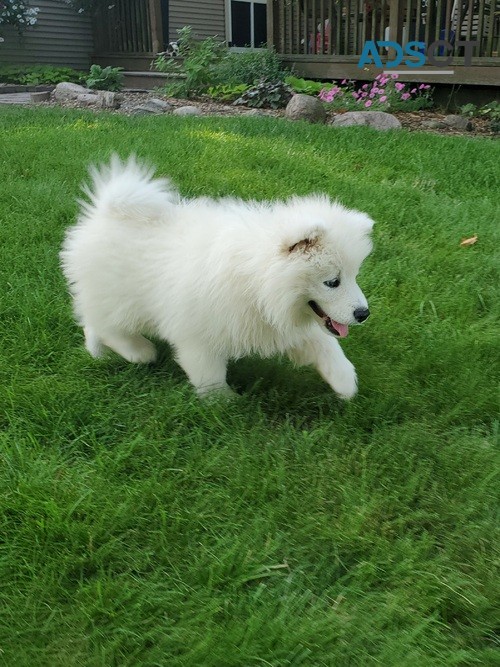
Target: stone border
(6,88)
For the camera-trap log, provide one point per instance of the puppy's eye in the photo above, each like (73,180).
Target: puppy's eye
(332,283)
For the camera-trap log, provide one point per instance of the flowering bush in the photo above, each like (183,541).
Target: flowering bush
(17,13)
(384,93)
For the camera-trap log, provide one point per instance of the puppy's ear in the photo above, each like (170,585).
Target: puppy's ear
(306,245)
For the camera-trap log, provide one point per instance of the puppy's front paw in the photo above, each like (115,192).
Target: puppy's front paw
(344,381)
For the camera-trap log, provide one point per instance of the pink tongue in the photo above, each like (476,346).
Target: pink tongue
(343,329)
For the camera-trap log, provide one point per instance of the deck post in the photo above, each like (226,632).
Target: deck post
(156,25)
(270,14)
(395,24)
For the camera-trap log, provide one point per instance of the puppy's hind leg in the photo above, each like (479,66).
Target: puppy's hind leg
(132,347)
(206,371)
(93,343)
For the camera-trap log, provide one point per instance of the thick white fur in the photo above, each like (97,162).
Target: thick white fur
(216,279)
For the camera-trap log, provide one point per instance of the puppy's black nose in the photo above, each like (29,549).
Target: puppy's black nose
(361,314)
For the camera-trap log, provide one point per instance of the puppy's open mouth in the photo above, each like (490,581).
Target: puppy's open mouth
(337,329)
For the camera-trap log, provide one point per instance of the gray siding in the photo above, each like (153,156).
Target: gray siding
(60,37)
(206,17)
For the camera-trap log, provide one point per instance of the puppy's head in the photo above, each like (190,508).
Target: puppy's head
(172,50)
(323,248)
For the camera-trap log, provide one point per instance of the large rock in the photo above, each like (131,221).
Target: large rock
(380,120)
(458,122)
(43,96)
(187,111)
(107,100)
(432,124)
(87,99)
(305,107)
(69,91)
(152,106)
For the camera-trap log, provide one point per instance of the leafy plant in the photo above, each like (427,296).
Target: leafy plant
(306,86)
(107,78)
(468,110)
(38,74)
(228,92)
(194,65)
(491,111)
(248,67)
(270,94)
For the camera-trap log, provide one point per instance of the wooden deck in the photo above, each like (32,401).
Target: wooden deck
(324,39)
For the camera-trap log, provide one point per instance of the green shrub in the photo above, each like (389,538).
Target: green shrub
(107,78)
(207,66)
(38,74)
(249,67)
(193,66)
(270,94)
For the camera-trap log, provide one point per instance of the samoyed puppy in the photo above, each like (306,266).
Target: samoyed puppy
(217,279)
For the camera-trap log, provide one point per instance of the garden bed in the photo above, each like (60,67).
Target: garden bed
(410,120)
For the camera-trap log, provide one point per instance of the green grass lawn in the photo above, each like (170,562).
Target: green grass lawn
(142,527)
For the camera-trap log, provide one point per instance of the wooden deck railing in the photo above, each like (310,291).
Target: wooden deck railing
(128,27)
(341,27)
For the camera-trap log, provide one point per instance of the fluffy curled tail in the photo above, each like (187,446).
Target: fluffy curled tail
(127,191)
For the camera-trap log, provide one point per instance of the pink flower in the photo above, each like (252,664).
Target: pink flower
(383,98)
(368,103)
(364,87)
(371,95)
(375,90)
(405,96)
(414,90)
(422,86)
(344,81)
(394,76)
(399,86)
(355,95)
(384,80)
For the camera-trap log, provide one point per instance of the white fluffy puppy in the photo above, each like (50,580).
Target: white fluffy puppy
(217,279)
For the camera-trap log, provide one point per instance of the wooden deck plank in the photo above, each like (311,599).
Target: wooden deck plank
(345,67)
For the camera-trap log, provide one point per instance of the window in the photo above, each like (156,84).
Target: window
(248,25)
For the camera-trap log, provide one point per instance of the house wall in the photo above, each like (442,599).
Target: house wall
(61,36)
(206,17)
